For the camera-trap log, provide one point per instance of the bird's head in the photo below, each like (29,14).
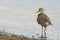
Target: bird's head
(41,10)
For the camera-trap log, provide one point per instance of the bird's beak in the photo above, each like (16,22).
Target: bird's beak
(37,11)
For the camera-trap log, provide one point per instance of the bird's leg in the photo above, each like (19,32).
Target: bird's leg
(45,32)
(42,32)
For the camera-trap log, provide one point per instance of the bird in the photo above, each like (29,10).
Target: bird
(43,20)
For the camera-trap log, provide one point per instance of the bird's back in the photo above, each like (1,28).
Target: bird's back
(43,19)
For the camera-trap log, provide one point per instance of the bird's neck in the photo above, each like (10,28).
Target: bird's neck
(41,13)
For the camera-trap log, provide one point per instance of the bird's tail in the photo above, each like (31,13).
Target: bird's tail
(50,23)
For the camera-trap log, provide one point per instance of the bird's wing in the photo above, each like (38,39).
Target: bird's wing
(47,19)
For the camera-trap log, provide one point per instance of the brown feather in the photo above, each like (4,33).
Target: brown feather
(42,19)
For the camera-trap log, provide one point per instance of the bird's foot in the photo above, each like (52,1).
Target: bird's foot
(41,36)
(45,37)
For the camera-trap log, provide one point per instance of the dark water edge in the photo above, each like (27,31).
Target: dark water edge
(9,36)
(22,38)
